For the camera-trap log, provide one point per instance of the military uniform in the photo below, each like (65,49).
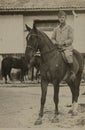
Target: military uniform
(63,38)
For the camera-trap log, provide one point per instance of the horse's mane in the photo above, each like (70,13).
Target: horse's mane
(45,37)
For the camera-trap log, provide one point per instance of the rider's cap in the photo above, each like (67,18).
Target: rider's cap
(61,13)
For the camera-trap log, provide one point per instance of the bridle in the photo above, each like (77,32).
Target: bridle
(34,50)
(29,46)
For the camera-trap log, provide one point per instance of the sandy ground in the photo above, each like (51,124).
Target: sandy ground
(20,103)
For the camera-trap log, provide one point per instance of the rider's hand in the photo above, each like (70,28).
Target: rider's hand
(59,46)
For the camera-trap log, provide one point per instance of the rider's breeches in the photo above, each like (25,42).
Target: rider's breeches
(69,56)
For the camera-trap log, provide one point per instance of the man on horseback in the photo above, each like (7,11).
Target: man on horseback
(62,37)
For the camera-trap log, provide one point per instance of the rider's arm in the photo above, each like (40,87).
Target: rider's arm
(69,41)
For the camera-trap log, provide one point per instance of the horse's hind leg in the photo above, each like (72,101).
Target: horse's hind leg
(44,85)
(76,92)
(22,76)
(9,74)
(37,74)
(32,77)
(37,77)
(74,86)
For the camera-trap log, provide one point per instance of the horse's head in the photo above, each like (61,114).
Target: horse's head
(32,41)
(37,39)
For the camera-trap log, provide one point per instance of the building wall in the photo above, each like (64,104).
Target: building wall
(11,34)
(79,31)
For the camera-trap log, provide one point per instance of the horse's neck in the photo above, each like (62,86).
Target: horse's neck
(47,53)
(45,48)
(46,44)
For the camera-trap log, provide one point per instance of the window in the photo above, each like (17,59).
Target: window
(46,25)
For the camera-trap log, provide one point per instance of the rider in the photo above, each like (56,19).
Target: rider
(62,37)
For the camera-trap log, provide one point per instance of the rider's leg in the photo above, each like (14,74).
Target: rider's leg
(69,57)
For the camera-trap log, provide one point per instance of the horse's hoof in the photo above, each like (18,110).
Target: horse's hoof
(70,111)
(74,113)
(22,81)
(57,113)
(69,105)
(55,120)
(38,122)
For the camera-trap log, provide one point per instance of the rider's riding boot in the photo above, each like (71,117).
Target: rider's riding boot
(72,74)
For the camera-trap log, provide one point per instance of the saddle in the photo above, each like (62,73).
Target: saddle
(61,51)
(76,55)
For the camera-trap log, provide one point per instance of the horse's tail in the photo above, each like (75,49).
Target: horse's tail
(80,59)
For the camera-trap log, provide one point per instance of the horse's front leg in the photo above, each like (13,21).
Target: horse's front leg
(22,76)
(32,76)
(44,85)
(10,76)
(56,97)
(5,79)
(56,100)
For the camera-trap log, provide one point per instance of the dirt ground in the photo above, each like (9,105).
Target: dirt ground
(20,103)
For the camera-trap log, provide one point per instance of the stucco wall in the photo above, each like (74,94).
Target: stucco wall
(11,34)
(79,31)
(78,24)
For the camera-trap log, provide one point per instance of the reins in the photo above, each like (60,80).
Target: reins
(46,52)
(42,53)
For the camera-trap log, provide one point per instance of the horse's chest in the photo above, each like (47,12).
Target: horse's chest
(50,70)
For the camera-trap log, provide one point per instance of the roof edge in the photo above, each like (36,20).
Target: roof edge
(39,9)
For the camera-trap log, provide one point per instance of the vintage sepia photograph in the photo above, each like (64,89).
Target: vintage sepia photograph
(42,64)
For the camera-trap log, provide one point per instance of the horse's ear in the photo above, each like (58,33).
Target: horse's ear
(34,26)
(27,27)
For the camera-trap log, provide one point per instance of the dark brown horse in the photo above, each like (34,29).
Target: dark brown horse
(53,68)
(18,63)
(22,64)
